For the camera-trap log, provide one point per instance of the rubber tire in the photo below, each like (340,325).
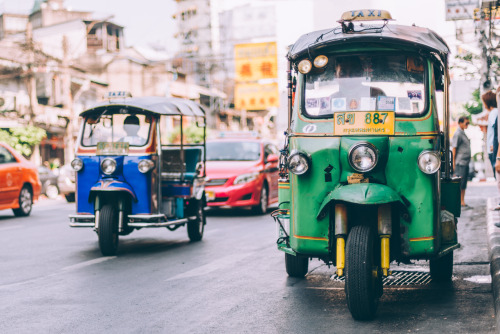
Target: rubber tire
(261,208)
(108,230)
(52,191)
(441,269)
(24,209)
(70,198)
(195,228)
(296,266)
(363,290)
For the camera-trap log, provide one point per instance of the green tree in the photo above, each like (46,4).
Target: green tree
(192,134)
(474,106)
(23,139)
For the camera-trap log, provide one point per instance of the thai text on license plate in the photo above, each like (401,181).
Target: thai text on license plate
(363,123)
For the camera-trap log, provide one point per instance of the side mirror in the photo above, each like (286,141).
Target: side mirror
(272,158)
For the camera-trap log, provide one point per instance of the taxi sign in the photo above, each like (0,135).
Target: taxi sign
(363,123)
(366,15)
(117,94)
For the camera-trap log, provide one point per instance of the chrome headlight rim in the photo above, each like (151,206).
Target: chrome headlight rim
(108,169)
(145,165)
(77,164)
(307,160)
(438,159)
(358,145)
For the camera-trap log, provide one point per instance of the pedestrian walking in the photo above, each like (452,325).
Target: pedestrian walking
(460,144)
(490,105)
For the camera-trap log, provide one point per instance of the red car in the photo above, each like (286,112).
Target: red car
(19,182)
(242,173)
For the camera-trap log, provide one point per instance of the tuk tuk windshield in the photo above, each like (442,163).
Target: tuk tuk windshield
(366,83)
(124,127)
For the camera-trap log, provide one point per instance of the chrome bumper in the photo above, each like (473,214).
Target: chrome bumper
(81,220)
(138,221)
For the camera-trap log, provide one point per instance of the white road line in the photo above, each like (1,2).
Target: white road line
(65,269)
(225,262)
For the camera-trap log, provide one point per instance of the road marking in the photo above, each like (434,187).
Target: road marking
(225,262)
(65,269)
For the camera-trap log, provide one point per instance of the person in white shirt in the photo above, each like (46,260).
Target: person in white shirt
(490,105)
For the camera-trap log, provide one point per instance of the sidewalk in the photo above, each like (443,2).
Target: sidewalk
(493,216)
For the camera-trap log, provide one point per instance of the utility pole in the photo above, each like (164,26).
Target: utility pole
(68,102)
(31,87)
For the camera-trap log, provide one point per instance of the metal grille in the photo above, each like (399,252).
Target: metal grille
(216,182)
(400,278)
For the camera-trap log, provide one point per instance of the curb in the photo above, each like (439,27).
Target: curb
(494,253)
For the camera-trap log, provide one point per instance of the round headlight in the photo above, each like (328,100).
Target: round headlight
(145,166)
(305,66)
(108,166)
(363,157)
(320,61)
(298,163)
(429,162)
(77,164)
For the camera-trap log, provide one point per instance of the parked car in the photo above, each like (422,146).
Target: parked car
(66,182)
(19,182)
(49,182)
(242,172)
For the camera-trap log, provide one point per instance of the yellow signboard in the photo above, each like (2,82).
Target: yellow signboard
(256,61)
(378,123)
(255,96)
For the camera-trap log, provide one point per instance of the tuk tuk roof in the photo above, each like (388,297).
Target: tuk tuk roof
(153,104)
(421,38)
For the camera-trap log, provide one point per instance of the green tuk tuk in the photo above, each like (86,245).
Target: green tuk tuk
(365,172)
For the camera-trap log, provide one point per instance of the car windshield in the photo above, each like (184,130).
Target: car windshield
(366,83)
(123,127)
(233,151)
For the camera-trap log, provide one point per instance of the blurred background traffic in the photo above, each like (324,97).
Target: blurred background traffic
(59,57)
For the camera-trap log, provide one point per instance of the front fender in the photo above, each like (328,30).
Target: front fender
(361,193)
(112,185)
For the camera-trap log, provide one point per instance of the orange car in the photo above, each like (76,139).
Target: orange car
(19,182)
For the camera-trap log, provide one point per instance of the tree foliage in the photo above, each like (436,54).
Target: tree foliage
(23,139)
(474,106)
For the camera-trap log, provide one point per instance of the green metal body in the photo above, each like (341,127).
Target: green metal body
(415,197)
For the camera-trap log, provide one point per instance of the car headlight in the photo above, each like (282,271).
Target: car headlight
(298,163)
(363,157)
(108,166)
(145,166)
(77,164)
(245,178)
(429,162)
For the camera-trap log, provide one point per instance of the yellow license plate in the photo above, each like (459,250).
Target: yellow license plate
(363,123)
(210,195)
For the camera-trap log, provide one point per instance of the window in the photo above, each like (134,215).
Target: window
(233,151)
(367,83)
(6,156)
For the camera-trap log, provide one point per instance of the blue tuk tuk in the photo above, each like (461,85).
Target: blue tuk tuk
(136,168)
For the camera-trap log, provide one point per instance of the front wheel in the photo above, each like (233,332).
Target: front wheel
(363,281)
(70,198)
(296,266)
(261,208)
(196,227)
(108,230)
(25,203)
(442,268)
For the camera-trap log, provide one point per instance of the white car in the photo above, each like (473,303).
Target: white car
(66,182)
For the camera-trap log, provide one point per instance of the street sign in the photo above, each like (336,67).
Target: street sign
(253,96)
(255,61)
(460,9)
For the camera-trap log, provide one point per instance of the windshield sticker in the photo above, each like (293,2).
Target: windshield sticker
(415,106)
(415,94)
(339,104)
(368,103)
(353,105)
(309,128)
(404,104)
(386,103)
(112,148)
(324,104)
(312,103)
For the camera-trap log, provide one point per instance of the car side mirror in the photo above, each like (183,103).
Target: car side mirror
(272,158)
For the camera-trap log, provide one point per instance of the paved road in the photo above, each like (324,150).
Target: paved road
(54,280)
